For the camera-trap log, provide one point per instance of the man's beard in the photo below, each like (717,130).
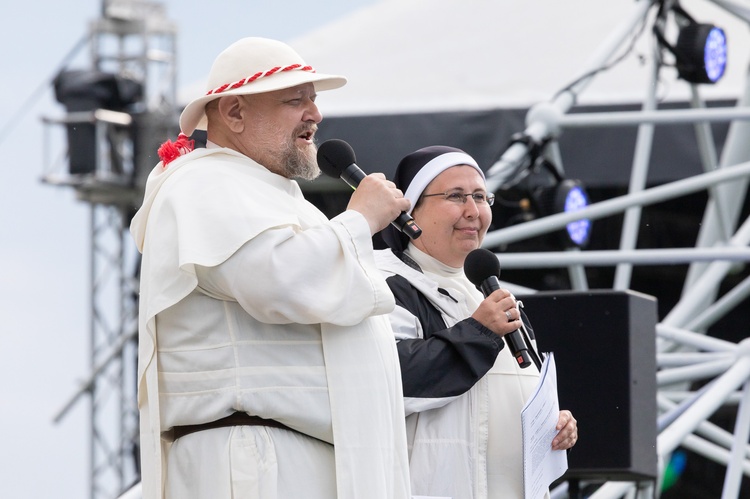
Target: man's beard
(296,162)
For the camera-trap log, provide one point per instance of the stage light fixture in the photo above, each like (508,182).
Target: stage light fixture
(541,191)
(701,53)
(84,91)
(701,48)
(576,199)
(567,196)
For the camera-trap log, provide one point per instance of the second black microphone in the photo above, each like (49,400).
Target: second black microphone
(483,270)
(336,159)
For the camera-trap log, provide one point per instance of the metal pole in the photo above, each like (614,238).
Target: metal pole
(93,406)
(512,159)
(724,206)
(695,340)
(674,434)
(577,273)
(715,453)
(638,176)
(656,117)
(739,445)
(692,372)
(613,490)
(707,429)
(694,299)
(709,159)
(615,205)
(669,256)
(720,307)
(678,359)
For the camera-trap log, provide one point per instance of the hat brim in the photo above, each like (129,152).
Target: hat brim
(193,117)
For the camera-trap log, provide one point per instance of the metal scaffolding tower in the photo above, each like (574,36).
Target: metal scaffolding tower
(118,111)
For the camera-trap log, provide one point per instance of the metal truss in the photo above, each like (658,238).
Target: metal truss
(133,40)
(111,385)
(685,354)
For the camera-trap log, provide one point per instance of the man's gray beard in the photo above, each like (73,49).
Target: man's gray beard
(300,163)
(290,161)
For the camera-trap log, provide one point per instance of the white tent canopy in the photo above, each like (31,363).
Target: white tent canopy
(405,56)
(464,73)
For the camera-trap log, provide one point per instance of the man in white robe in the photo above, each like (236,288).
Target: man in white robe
(266,364)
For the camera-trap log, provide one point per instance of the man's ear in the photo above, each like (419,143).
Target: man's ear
(231,110)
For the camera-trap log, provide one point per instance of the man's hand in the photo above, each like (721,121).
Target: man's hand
(378,200)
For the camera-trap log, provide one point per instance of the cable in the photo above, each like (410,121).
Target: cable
(7,128)
(605,67)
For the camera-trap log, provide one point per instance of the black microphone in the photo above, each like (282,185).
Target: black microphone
(336,159)
(483,270)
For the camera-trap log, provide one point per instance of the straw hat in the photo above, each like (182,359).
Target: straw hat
(252,66)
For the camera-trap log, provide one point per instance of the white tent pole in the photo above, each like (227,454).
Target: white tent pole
(721,307)
(604,258)
(615,205)
(741,10)
(709,160)
(723,207)
(693,372)
(722,387)
(576,271)
(714,452)
(708,430)
(638,176)
(694,300)
(731,196)
(704,135)
(663,116)
(679,359)
(739,445)
(613,490)
(693,339)
(680,395)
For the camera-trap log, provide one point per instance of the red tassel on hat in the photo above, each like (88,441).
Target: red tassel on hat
(169,151)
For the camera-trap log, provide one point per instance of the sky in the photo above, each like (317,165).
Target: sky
(44,230)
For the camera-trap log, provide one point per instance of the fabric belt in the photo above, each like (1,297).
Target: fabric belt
(235,419)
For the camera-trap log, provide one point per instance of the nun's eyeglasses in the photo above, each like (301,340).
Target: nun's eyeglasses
(460,197)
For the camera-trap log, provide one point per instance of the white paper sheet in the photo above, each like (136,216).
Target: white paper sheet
(542,465)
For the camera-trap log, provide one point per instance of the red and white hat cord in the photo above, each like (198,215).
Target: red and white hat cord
(258,75)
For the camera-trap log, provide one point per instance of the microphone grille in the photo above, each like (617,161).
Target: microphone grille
(334,155)
(480,264)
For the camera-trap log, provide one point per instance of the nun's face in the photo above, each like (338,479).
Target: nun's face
(450,227)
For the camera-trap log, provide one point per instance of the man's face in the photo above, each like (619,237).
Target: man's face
(280,131)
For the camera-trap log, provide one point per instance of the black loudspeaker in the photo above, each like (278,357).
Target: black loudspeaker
(604,344)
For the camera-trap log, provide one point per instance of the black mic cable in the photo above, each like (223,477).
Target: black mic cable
(536,357)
